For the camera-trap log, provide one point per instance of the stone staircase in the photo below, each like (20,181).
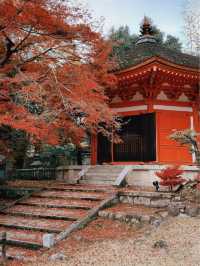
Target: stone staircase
(52,210)
(102,175)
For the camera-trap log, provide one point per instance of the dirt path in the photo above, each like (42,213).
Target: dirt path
(182,236)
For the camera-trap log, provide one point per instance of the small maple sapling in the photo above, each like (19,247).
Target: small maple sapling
(171,176)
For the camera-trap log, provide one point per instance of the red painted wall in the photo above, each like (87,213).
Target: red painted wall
(168,150)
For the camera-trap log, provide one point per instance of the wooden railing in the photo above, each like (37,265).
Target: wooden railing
(36,173)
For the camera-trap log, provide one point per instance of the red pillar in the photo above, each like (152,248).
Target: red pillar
(150,105)
(196,117)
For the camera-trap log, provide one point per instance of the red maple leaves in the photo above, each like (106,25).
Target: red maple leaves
(54,70)
(171,176)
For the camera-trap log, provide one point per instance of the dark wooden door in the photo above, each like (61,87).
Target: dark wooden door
(139,139)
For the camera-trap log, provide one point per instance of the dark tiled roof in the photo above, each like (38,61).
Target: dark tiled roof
(144,51)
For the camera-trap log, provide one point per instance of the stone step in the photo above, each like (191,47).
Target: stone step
(72,195)
(106,170)
(106,166)
(59,203)
(65,187)
(128,212)
(24,238)
(61,185)
(96,182)
(79,188)
(19,253)
(94,176)
(35,224)
(42,212)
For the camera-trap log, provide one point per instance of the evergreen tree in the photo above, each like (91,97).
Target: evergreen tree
(123,40)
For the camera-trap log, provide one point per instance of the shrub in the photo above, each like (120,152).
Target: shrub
(171,176)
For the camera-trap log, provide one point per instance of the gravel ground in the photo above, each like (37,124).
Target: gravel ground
(182,236)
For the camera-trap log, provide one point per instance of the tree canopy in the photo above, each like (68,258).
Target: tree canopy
(54,69)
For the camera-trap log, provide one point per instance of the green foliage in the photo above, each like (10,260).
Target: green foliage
(13,144)
(53,156)
(122,41)
(173,43)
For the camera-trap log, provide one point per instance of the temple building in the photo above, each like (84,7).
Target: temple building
(157,93)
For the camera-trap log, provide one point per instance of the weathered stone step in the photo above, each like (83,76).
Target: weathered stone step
(72,195)
(60,185)
(98,176)
(59,203)
(106,167)
(106,170)
(28,223)
(65,187)
(80,188)
(42,212)
(96,182)
(125,211)
(24,238)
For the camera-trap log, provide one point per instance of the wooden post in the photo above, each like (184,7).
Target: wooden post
(94,149)
(112,148)
(3,250)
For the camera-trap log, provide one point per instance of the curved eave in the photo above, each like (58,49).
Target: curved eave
(158,61)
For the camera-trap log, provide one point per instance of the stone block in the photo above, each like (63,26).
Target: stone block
(173,210)
(163,214)
(142,201)
(58,256)
(103,213)
(156,222)
(130,200)
(119,216)
(111,216)
(125,200)
(192,211)
(145,218)
(160,203)
(135,221)
(48,240)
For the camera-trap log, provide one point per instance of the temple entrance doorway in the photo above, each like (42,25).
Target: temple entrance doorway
(138,134)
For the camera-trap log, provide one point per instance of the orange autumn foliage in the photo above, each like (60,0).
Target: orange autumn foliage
(54,71)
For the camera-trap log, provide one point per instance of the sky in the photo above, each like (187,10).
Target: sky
(166,14)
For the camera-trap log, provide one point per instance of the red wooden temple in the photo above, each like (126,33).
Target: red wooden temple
(158,92)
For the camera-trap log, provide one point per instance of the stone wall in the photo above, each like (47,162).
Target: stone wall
(172,202)
(149,199)
(69,173)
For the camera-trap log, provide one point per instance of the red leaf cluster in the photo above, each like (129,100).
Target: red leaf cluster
(197,178)
(171,176)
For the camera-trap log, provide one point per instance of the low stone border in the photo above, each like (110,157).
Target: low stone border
(136,219)
(149,199)
(183,208)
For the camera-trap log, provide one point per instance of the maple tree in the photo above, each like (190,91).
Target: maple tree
(54,71)
(171,176)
